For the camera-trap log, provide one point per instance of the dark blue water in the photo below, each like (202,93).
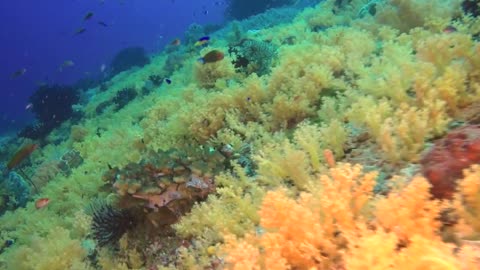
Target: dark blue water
(39,36)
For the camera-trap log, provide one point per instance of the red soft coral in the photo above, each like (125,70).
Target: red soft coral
(444,163)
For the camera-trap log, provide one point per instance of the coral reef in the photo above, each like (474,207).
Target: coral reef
(299,149)
(14,192)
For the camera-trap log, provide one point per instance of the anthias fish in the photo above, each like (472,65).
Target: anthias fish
(42,202)
(21,155)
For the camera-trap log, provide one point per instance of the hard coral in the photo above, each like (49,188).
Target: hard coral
(443,165)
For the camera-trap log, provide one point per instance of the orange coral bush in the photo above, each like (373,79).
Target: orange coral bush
(341,224)
(308,232)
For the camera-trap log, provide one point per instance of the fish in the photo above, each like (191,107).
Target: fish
(19,73)
(211,57)
(88,16)
(168,81)
(21,155)
(176,42)
(449,29)
(103,24)
(42,202)
(29,106)
(67,63)
(202,41)
(80,31)
(103,67)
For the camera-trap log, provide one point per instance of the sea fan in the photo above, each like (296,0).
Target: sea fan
(109,223)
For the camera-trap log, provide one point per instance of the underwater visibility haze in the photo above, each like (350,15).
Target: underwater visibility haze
(240,134)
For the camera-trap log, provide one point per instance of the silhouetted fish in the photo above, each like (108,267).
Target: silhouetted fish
(103,24)
(80,31)
(19,73)
(88,16)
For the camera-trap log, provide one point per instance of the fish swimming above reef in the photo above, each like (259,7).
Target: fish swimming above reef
(21,155)
(211,57)
(19,73)
(80,31)
(203,41)
(449,29)
(103,24)
(67,63)
(176,42)
(88,16)
(42,202)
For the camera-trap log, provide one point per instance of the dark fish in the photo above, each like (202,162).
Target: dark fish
(19,73)
(176,42)
(168,81)
(88,16)
(449,29)
(80,31)
(103,24)
(212,57)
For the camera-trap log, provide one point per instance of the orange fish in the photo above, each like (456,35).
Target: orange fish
(212,57)
(20,155)
(176,42)
(42,202)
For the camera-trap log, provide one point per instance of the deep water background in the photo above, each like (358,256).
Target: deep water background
(39,36)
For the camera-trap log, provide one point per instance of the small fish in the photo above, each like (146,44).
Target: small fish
(88,16)
(42,202)
(80,31)
(29,106)
(19,73)
(176,42)
(202,41)
(211,57)
(67,63)
(21,155)
(103,24)
(449,29)
(168,81)
(103,67)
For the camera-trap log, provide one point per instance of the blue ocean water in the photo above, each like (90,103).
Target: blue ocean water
(39,36)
